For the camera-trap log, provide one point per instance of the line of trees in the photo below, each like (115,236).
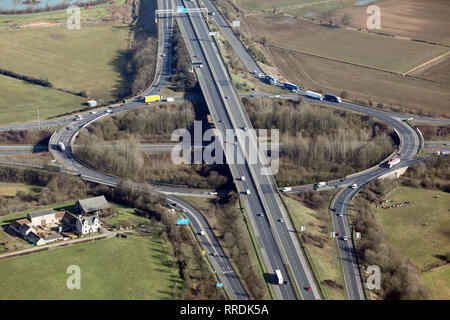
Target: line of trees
(181,78)
(142,64)
(432,174)
(55,188)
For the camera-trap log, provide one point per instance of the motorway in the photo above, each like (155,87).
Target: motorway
(409,147)
(277,241)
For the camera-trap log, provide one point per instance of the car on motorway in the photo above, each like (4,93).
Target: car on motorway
(344,238)
(212,192)
(281,220)
(244,128)
(354,186)
(286,282)
(339,214)
(260,214)
(226,97)
(338,234)
(308,288)
(247,191)
(93,112)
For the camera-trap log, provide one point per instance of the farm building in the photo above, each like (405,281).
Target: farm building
(35,239)
(92,103)
(42,217)
(17,225)
(92,205)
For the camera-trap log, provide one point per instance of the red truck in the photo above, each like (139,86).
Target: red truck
(393,162)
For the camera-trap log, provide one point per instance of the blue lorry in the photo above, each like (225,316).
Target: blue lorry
(290,86)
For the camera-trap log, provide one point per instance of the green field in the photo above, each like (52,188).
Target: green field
(94,14)
(379,52)
(10,189)
(403,226)
(326,259)
(21,101)
(116,268)
(125,217)
(91,59)
(438,281)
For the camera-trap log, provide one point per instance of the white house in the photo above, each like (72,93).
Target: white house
(85,225)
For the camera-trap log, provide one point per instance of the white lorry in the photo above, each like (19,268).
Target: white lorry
(286,189)
(313,95)
(279,276)
(62,146)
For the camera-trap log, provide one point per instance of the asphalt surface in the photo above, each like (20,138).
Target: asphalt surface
(276,240)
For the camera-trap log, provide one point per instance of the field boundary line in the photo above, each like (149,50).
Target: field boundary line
(333,59)
(426,63)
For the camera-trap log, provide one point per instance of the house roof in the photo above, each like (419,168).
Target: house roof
(69,217)
(53,237)
(23,221)
(59,214)
(16,224)
(40,213)
(33,237)
(93,204)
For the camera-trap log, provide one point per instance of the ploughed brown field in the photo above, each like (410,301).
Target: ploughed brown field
(414,95)
(417,19)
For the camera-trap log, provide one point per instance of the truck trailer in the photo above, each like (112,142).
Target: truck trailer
(313,95)
(152,98)
(290,86)
(393,162)
(279,276)
(62,146)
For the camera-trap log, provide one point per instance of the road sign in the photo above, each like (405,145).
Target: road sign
(181,9)
(219,285)
(358,235)
(182,221)
(203,252)
(236,24)
(333,235)
(302,228)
